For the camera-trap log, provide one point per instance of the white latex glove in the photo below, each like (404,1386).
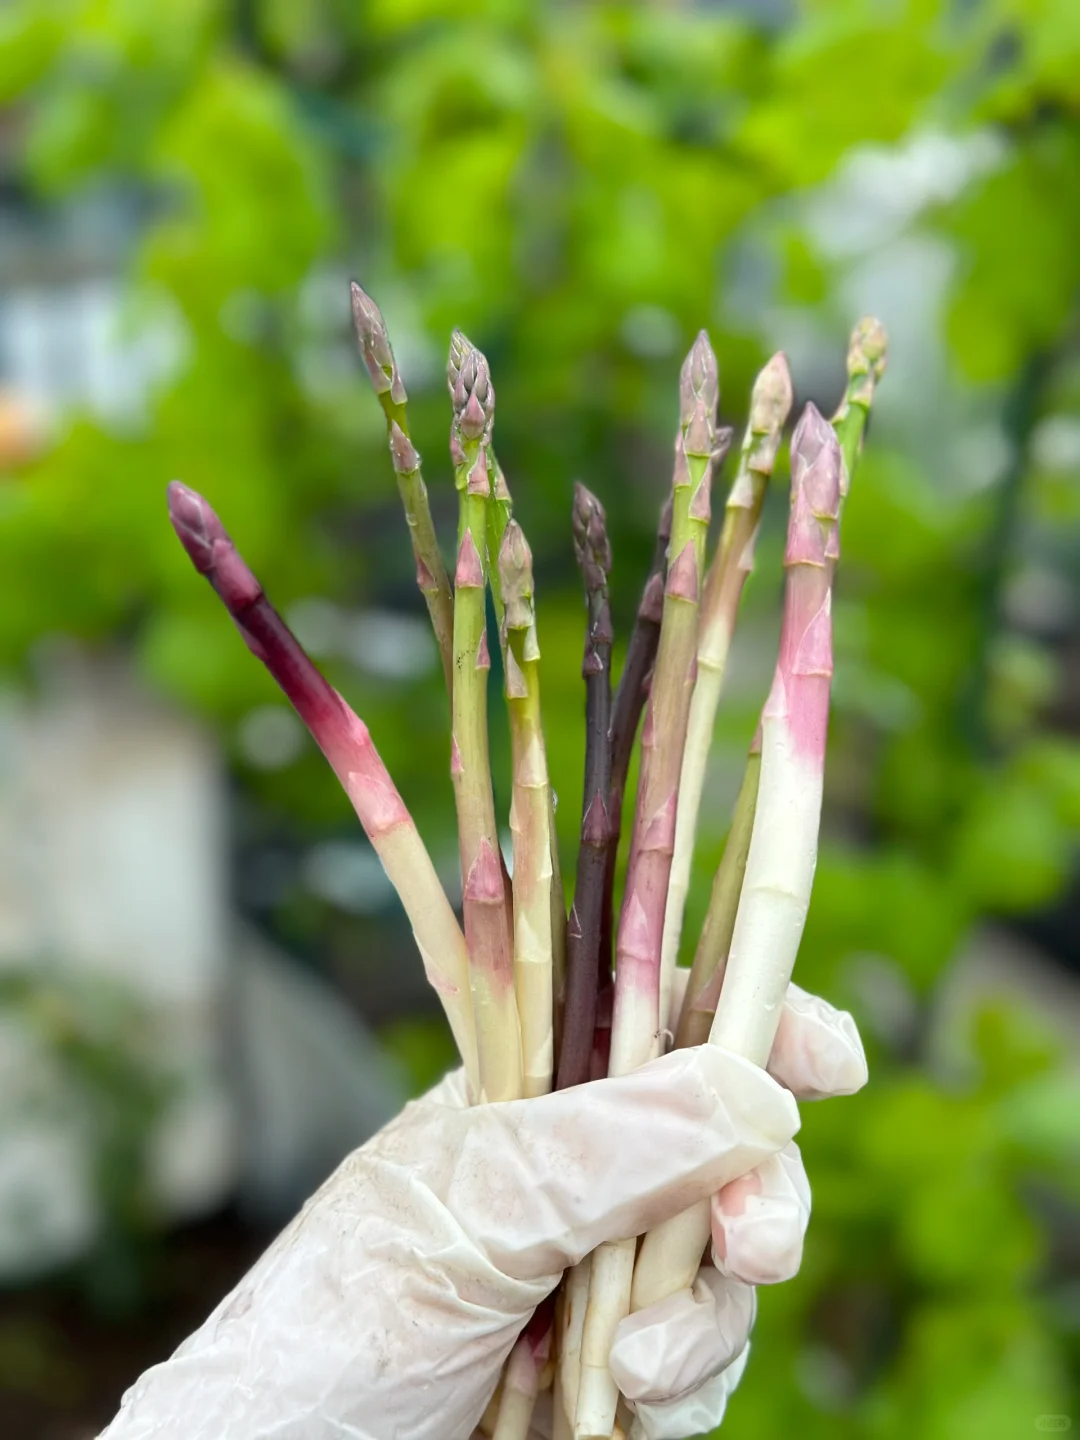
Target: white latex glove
(386,1310)
(679,1360)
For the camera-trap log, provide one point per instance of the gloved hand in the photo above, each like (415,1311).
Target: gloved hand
(385,1311)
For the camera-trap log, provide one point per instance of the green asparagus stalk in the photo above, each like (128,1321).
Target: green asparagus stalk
(499,514)
(593,553)
(783,847)
(530,816)
(707,972)
(386,380)
(488,924)
(635,1035)
(770,403)
(345,741)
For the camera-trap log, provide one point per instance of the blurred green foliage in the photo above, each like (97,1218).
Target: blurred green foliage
(580,187)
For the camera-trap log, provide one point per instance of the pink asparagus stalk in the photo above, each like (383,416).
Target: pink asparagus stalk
(344,739)
(636,1020)
(783,847)
(635,1034)
(770,403)
(526,1373)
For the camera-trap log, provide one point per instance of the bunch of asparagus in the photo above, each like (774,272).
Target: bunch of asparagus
(531,995)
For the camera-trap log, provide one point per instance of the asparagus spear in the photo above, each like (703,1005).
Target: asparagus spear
(593,553)
(630,696)
(487,919)
(500,509)
(530,816)
(783,848)
(635,1025)
(770,402)
(499,514)
(865,365)
(344,739)
(707,972)
(635,1031)
(386,380)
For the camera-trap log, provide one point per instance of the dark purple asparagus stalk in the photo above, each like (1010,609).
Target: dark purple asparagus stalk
(593,553)
(345,741)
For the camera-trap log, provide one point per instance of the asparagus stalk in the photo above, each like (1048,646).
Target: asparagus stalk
(707,972)
(386,380)
(783,847)
(344,739)
(499,515)
(635,1024)
(636,1019)
(593,553)
(575,1300)
(630,696)
(770,403)
(865,365)
(487,915)
(530,816)
(524,1373)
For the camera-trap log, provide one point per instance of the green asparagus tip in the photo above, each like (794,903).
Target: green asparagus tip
(374,345)
(771,397)
(459,347)
(516,578)
(868,349)
(699,380)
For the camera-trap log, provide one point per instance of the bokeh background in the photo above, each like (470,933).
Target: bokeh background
(207,993)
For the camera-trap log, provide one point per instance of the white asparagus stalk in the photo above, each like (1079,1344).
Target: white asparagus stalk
(770,402)
(530,815)
(575,1300)
(783,849)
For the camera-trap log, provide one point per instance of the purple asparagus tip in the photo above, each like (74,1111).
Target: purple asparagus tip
(471,390)
(195,524)
(591,545)
(211,549)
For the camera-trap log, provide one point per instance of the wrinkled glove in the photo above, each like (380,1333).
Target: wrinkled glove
(386,1309)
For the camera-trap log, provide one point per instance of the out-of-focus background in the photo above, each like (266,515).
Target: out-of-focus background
(207,991)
